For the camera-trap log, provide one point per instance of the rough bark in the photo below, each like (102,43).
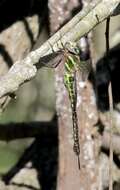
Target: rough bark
(69,176)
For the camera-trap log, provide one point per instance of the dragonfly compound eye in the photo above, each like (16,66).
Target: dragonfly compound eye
(76,50)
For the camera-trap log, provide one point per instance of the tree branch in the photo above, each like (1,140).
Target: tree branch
(81,24)
(14,131)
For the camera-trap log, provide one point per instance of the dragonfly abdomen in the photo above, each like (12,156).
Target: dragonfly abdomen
(76,146)
(69,81)
(69,84)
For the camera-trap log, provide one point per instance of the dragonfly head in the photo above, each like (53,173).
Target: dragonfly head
(72,48)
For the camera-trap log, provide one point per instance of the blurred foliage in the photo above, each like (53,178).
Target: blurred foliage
(35,101)
(37,96)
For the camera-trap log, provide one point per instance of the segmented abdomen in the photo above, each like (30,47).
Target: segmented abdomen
(69,81)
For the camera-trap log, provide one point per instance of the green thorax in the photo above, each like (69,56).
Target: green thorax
(71,63)
(72,60)
(71,66)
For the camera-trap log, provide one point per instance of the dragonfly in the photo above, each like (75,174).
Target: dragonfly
(74,64)
(70,54)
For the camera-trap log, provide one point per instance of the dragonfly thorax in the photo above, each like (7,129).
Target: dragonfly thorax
(71,63)
(72,48)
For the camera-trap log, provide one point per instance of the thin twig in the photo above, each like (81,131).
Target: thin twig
(107,35)
(111,109)
(111,136)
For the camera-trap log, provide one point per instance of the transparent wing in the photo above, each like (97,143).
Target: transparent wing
(52,60)
(85,68)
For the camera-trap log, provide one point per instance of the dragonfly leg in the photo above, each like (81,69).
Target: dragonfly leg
(51,46)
